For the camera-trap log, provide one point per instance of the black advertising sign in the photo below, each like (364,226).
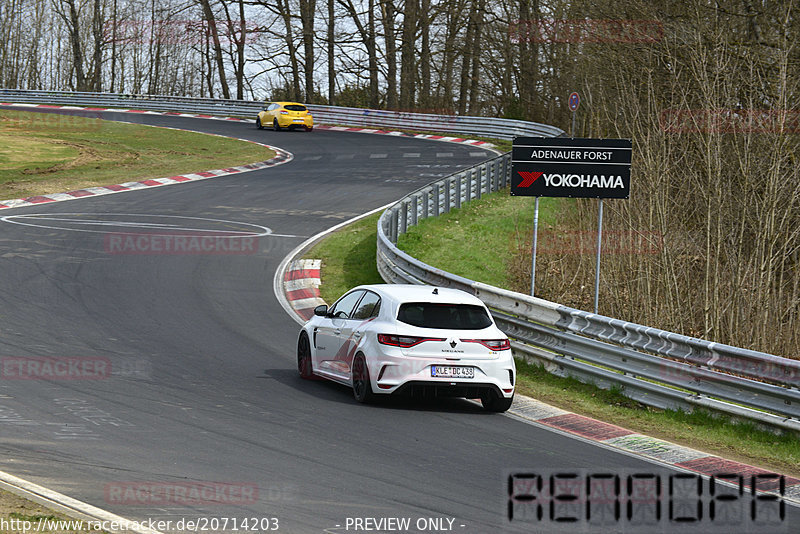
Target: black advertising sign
(567,167)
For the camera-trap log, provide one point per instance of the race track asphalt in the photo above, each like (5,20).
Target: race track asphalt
(203,385)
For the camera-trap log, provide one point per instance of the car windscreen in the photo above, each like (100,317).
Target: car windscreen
(446,316)
(295,107)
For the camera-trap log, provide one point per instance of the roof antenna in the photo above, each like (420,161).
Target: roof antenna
(435,290)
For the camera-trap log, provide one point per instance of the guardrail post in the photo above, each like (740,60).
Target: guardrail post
(458,190)
(404,218)
(424,212)
(479,183)
(393,229)
(488,171)
(437,195)
(414,208)
(447,195)
(468,194)
(496,175)
(504,172)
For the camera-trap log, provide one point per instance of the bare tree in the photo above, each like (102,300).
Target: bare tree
(212,28)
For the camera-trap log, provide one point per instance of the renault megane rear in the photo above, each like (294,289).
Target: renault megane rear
(410,339)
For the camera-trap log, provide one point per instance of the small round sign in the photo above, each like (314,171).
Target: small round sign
(574,101)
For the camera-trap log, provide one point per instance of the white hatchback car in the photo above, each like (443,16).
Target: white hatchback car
(409,339)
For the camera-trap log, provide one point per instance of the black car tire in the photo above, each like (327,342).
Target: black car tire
(275,125)
(258,123)
(362,390)
(304,357)
(492,402)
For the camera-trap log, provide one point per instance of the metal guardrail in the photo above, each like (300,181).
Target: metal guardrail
(652,366)
(367,118)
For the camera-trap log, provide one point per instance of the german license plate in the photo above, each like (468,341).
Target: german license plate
(446,371)
(298,120)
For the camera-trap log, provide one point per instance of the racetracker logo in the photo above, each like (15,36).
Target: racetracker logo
(67,368)
(166,244)
(181,493)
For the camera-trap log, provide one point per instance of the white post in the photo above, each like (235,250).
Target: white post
(597,264)
(533,248)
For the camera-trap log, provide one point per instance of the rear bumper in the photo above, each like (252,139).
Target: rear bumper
(406,375)
(288,122)
(468,390)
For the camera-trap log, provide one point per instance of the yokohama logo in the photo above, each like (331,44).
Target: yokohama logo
(528,178)
(571,180)
(583,180)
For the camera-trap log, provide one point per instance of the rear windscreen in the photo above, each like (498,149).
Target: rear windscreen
(295,107)
(449,316)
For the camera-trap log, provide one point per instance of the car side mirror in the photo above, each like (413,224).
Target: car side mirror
(321,310)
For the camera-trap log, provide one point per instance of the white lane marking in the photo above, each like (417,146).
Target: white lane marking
(302,283)
(305,304)
(378,156)
(262,230)
(312,158)
(411,155)
(444,154)
(478,154)
(69,506)
(345,156)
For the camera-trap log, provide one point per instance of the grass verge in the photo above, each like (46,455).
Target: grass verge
(475,241)
(348,258)
(20,513)
(49,153)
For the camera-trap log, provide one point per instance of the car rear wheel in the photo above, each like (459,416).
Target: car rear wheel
(309,128)
(276,126)
(492,402)
(304,357)
(362,389)
(258,123)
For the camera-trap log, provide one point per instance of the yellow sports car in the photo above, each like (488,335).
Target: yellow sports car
(285,115)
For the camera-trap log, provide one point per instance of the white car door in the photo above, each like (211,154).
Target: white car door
(328,335)
(353,328)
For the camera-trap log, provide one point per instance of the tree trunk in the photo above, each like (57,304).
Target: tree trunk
(407,55)
(475,54)
(425,55)
(388,18)
(331,55)
(466,60)
(308,10)
(212,28)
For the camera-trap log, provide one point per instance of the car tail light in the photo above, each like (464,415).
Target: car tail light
(404,341)
(284,112)
(491,344)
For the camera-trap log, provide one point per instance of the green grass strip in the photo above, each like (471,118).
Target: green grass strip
(44,153)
